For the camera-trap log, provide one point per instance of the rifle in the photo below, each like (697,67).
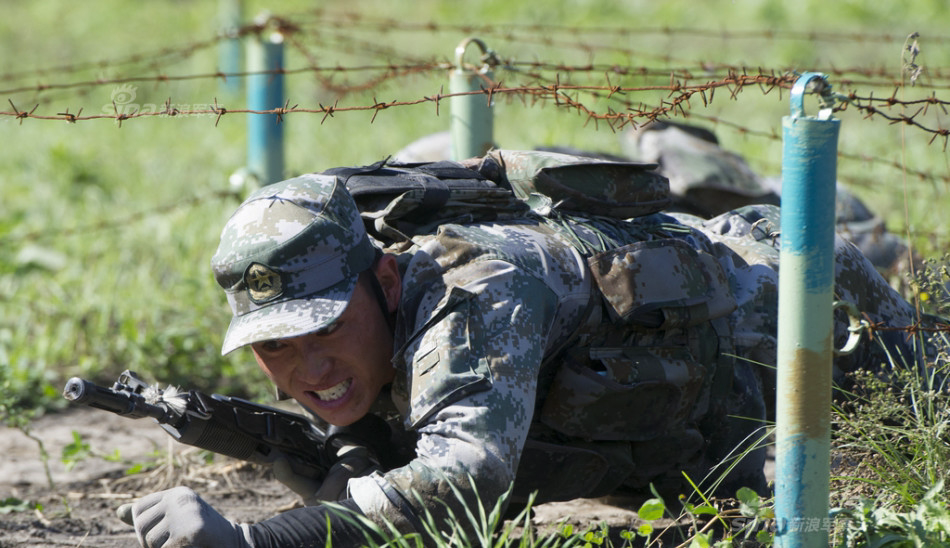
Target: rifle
(231,426)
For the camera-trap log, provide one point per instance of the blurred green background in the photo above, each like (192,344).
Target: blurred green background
(106,231)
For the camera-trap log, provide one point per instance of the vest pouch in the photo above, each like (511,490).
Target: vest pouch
(667,454)
(575,183)
(594,405)
(560,471)
(662,284)
(577,470)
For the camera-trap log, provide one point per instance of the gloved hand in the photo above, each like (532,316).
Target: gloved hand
(353,461)
(179,518)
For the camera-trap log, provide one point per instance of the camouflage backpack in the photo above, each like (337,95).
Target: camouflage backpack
(398,201)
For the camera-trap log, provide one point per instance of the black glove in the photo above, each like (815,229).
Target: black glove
(353,461)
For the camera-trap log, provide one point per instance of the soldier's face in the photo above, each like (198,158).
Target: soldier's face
(338,372)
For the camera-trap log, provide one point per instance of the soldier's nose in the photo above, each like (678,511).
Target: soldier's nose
(313,369)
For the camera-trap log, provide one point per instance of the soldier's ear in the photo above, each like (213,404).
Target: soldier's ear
(387,272)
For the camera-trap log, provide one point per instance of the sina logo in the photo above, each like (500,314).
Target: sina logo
(121,101)
(124,94)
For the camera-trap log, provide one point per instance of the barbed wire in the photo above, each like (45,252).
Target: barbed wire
(549,34)
(297,29)
(340,27)
(158,58)
(550,37)
(119,223)
(533,69)
(702,70)
(322,16)
(342,24)
(865,158)
(391,70)
(161,56)
(567,86)
(678,80)
(679,95)
(911,330)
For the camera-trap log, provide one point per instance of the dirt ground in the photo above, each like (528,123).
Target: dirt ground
(79,510)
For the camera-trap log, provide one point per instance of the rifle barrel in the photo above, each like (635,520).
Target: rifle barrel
(128,404)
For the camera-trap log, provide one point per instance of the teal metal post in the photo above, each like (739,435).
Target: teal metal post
(805,331)
(265,91)
(230,19)
(471,115)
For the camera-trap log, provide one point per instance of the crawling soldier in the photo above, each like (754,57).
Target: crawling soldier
(571,355)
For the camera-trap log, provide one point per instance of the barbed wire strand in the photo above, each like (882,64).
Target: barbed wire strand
(325,20)
(118,223)
(633,112)
(545,87)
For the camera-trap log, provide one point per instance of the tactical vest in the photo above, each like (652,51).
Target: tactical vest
(643,384)
(653,361)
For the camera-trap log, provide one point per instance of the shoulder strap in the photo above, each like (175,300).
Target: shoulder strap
(399,201)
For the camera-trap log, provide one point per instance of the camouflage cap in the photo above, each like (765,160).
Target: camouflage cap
(289,259)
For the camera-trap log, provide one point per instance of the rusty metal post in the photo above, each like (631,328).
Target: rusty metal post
(805,330)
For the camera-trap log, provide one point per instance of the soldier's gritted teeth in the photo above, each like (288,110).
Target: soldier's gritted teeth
(333,393)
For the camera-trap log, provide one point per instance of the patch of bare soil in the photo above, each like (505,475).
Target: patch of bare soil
(79,509)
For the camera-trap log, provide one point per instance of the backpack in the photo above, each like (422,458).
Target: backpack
(400,200)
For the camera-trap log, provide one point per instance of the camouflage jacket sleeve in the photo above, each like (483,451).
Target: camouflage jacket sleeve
(476,321)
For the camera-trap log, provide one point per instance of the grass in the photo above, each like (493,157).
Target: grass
(106,231)
(484,525)
(891,445)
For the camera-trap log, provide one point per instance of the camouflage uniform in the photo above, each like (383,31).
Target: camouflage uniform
(574,356)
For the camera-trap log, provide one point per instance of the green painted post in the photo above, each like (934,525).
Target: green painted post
(471,115)
(265,91)
(805,330)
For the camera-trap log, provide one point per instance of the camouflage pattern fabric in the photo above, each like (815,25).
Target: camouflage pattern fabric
(576,183)
(518,362)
